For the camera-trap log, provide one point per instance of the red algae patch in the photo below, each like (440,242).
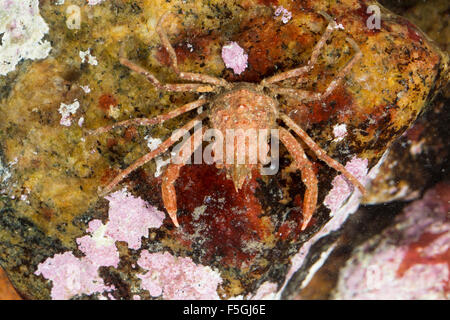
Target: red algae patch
(226,221)
(106,101)
(177,278)
(421,252)
(268,2)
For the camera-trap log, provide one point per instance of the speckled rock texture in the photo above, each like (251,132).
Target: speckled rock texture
(416,160)
(59,239)
(409,260)
(420,156)
(414,163)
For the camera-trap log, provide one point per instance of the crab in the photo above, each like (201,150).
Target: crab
(239,105)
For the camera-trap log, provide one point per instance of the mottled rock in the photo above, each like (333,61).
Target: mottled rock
(413,163)
(430,16)
(409,260)
(416,160)
(419,157)
(247,238)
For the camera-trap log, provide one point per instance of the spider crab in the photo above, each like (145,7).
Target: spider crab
(239,106)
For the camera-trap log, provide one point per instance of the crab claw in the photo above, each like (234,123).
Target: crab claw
(173,216)
(170,202)
(169,194)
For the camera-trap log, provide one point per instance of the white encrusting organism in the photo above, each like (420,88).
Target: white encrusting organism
(22,30)
(87,57)
(66,111)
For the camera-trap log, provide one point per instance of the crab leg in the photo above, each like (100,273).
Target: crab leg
(149,156)
(321,154)
(156,120)
(174,87)
(171,174)
(298,72)
(196,77)
(309,96)
(308,176)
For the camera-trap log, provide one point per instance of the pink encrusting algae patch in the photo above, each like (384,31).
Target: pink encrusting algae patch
(129,221)
(71,276)
(130,218)
(98,247)
(234,57)
(177,278)
(267,291)
(342,188)
(339,217)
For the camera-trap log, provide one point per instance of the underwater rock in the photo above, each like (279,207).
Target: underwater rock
(429,16)
(387,251)
(243,242)
(409,260)
(416,160)
(419,157)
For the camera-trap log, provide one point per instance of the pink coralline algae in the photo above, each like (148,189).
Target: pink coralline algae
(410,260)
(267,291)
(71,276)
(67,111)
(177,278)
(342,188)
(130,218)
(234,57)
(98,247)
(339,217)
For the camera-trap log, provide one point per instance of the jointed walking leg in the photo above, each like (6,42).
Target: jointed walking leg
(308,176)
(196,77)
(171,174)
(149,156)
(174,87)
(320,153)
(310,96)
(298,72)
(156,120)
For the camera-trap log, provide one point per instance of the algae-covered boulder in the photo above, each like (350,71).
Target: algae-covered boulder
(59,239)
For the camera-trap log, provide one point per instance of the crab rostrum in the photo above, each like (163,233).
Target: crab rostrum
(240,105)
